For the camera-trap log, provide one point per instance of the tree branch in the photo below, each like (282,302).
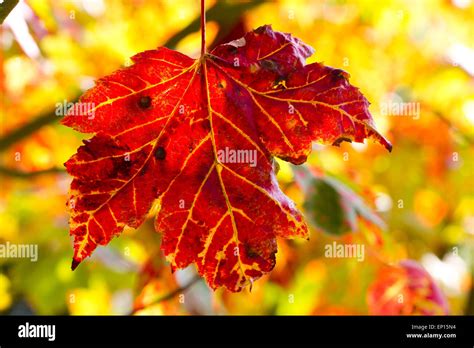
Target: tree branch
(29,128)
(4,171)
(6,7)
(170,295)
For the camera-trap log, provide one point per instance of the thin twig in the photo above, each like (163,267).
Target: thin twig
(467,138)
(4,171)
(170,295)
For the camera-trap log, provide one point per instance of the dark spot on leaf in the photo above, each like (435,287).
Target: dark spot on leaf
(338,74)
(121,168)
(144,102)
(160,153)
(280,81)
(206,125)
(268,64)
(251,253)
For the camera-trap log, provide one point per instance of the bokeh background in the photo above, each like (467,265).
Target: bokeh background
(415,204)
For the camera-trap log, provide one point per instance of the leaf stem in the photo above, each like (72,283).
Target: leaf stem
(203,28)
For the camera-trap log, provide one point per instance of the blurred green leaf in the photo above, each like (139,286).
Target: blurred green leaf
(330,205)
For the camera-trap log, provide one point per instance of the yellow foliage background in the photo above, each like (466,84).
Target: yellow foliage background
(396,51)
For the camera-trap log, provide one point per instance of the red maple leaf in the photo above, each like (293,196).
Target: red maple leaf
(199,136)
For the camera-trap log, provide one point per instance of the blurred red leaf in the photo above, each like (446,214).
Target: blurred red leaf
(155,281)
(405,289)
